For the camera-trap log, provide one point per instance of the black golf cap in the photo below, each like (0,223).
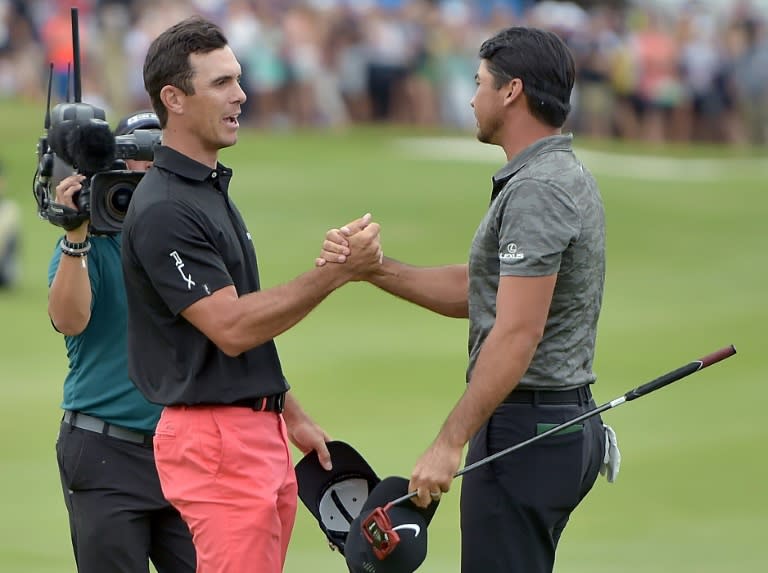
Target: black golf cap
(407,520)
(335,497)
(140,120)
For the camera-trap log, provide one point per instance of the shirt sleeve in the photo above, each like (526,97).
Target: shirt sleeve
(173,245)
(536,222)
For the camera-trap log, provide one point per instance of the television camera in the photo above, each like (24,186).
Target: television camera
(78,135)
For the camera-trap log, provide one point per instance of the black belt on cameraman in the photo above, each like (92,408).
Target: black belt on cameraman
(579,395)
(273,403)
(92,424)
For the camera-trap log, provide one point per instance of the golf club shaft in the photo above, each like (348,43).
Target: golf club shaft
(642,390)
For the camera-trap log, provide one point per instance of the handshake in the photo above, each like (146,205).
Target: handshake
(356,245)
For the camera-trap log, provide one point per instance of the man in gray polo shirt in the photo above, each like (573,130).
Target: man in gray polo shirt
(532,292)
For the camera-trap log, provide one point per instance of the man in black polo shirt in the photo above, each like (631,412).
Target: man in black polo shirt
(200,329)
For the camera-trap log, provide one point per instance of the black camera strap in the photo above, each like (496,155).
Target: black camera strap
(66,217)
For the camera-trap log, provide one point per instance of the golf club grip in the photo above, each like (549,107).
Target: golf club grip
(681,372)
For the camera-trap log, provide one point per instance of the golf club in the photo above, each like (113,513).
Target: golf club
(642,390)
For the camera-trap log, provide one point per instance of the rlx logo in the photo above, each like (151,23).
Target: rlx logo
(180,267)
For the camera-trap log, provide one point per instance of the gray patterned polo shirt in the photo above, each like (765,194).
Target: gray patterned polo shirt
(545,217)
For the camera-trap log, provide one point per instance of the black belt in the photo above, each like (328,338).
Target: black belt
(273,403)
(91,424)
(580,395)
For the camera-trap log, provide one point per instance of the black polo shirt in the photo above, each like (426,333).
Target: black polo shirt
(184,239)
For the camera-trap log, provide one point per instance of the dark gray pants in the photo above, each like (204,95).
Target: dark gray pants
(514,509)
(118,517)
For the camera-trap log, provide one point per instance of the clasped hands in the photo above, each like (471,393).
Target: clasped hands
(357,245)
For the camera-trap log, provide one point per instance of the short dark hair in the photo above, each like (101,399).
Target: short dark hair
(544,64)
(167,61)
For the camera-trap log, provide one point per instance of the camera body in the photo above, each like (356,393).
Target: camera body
(79,136)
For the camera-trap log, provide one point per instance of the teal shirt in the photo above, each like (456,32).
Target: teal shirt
(97,382)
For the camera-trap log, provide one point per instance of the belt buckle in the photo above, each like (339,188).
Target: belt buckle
(273,403)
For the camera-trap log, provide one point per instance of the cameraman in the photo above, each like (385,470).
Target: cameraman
(118,516)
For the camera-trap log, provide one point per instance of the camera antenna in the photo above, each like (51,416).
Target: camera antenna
(47,121)
(68,95)
(76,55)
(40,183)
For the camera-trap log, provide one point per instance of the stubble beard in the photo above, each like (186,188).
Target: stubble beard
(482,137)
(487,134)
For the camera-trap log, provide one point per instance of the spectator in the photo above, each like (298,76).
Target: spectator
(10,237)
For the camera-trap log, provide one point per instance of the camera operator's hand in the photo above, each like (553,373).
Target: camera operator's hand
(65,190)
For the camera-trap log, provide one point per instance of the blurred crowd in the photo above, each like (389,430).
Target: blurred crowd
(658,71)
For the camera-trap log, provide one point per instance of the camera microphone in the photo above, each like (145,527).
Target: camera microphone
(91,145)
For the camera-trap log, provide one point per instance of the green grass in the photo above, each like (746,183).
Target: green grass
(686,276)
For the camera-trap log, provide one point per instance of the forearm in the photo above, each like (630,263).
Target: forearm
(293,413)
(444,289)
(304,433)
(69,298)
(238,323)
(260,316)
(503,359)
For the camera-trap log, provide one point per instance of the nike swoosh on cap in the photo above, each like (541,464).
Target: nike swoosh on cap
(416,528)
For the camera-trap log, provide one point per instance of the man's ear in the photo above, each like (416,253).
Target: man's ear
(173,99)
(513,90)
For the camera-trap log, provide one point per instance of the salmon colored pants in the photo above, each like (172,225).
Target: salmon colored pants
(228,471)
